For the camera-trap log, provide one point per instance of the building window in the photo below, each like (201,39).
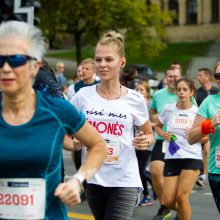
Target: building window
(191,8)
(174,6)
(215,11)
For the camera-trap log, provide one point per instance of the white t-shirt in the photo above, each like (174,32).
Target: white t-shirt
(70,92)
(114,120)
(177,120)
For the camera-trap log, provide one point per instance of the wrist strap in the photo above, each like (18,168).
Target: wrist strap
(81,180)
(79,177)
(207,128)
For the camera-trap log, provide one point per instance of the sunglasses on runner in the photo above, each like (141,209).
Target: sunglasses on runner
(217,76)
(15,60)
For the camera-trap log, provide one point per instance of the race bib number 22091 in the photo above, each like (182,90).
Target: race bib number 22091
(22,198)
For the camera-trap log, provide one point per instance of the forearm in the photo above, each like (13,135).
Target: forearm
(93,161)
(195,135)
(159,131)
(151,139)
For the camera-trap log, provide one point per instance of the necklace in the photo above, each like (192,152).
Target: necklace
(107,96)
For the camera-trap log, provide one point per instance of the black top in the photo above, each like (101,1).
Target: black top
(46,82)
(81,84)
(202,94)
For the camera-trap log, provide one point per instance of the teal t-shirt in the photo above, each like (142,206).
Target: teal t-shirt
(209,107)
(34,149)
(160,99)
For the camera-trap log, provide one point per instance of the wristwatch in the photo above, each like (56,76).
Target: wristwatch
(81,179)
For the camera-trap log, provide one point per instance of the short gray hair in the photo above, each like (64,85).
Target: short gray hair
(18,29)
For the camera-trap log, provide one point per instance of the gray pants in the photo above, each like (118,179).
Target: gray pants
(112,203)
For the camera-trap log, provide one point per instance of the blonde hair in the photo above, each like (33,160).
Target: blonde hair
(217,65)
(88,60)
(113,38)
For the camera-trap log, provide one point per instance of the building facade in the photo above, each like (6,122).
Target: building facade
(195,20)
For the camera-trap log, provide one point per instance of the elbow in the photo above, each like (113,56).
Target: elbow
(190,140)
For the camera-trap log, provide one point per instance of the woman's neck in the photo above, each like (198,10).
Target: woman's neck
(110,91)
(20,108)
(19,101)
(184,105)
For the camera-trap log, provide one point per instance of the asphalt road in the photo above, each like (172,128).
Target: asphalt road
(203,206)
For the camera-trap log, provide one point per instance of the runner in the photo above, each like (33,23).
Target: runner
(114,110)
(32,129)
(183,162)
(207,123)
(160,99)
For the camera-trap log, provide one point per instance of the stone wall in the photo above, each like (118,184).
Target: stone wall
(189,33)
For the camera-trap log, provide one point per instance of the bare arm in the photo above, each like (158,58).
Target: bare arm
(158,128)
(96,147)
(71,144)
(69,192)
(195,134)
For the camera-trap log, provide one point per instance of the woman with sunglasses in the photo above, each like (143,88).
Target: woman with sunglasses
(207,124)
(32,129)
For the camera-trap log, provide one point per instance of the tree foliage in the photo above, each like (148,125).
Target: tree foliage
(142,24)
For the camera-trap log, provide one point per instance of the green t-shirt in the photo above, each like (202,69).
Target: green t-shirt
(209,107)
(160,99)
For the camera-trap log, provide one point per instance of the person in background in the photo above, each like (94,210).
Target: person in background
(206,88)
(114,110)
(183,162)
(88,73)
(207,124)
(46,82)
(61,78)
(71,88)
(160,99)
(174,64)
(128,77)
(33,125)
(143,157)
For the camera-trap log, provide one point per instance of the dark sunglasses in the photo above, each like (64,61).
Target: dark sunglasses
(217,76)
(15,60)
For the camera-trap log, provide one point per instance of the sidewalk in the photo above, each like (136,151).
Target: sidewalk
(209,61)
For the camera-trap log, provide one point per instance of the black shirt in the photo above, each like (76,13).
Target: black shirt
(81,84)
(202,94)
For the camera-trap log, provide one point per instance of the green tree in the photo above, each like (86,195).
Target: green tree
(142,24)
(51,20)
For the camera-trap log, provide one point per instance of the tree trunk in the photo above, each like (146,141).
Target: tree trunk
(78,47)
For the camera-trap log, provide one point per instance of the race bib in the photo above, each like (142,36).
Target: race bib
(182,120)
(113,151)
(217,157)
(22,198)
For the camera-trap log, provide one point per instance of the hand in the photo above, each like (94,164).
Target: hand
(186,130)
(216,119)
(141,141)
(166,136)
(69,192)
(77,145)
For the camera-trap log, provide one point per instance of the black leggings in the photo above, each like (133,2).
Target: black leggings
(143,158)
(214,182)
